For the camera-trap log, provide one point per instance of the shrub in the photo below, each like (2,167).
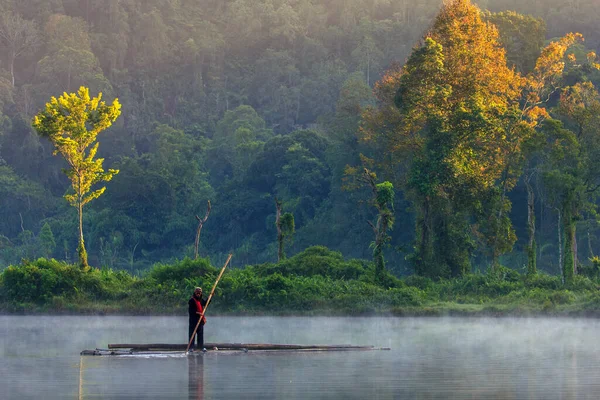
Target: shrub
(505,274)
(39,281)
(316,260)
(52,283)
(180,270)
(542,281)
(420,282)
(478,286)
(562,297)
(385,280)
(592,270)
(583,283)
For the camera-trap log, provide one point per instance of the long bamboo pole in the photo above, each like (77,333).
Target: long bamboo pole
(207,303)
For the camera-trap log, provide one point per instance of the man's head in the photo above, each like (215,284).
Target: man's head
(198,292)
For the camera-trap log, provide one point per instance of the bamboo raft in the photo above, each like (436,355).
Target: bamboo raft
(167,348)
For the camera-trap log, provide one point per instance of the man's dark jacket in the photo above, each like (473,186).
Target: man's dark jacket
(192,310)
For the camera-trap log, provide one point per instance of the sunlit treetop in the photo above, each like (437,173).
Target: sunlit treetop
(474,58)
(72,123)
(458,80)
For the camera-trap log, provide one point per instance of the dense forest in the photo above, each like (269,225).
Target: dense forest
(377,128)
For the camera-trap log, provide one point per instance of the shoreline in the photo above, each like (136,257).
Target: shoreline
(422,313)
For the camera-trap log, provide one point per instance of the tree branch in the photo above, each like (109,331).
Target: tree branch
(199,229)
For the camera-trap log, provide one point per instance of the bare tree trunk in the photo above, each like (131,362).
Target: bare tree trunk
(12,69)
(69,77)
(560,256)
(425,240)
(531,251)
(569,257)
(199,229)
(87,14)
(131,262)
(280,254)
(495,252)
(368,67)
(574,248)
(542,222)
(81,250)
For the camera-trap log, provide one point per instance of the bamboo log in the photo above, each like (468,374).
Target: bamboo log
(166,348)
(237,346)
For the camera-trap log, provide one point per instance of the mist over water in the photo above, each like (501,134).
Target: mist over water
(430,358)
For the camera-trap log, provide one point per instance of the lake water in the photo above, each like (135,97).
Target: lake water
(430,358)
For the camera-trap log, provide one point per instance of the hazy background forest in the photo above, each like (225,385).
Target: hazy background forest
(237,102)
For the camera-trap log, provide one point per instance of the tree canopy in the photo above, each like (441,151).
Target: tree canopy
(241,102)
(72,123)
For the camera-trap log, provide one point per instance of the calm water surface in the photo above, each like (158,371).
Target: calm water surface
(430,358)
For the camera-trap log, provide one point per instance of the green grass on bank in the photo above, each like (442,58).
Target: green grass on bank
(316,281)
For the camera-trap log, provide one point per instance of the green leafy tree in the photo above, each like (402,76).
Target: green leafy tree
(452,96)
(70,62)
(383,201)
(522,36)
(46,240)
(72,123)
(167,182)
(278,93)
(321,83)
(367,56)
(457,136)
(286,24)
(343,125)
(285,229)
(238,138)
(293,167)
(572,167)
(22,202)
(18,36)
(531,242)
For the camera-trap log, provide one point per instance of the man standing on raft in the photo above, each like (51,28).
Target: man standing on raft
(196,306)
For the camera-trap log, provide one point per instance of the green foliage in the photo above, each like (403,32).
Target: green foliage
(562,297)
(277,293)
(238,101)
(288,226)
(591,270)
(40,282)
(182,270)
(16,191)
(315,261)
(502,273)
(385,195)
(462,119)
(382,199)
(571,164)
(72,123)
(543,281)
(420,282)
(581,282)
(46,240)
(317,281)
(522,36)
(477,287)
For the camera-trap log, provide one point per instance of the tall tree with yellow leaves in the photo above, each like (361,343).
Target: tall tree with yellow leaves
(72,123)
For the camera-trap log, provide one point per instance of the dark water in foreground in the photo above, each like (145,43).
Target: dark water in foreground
(430,359)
